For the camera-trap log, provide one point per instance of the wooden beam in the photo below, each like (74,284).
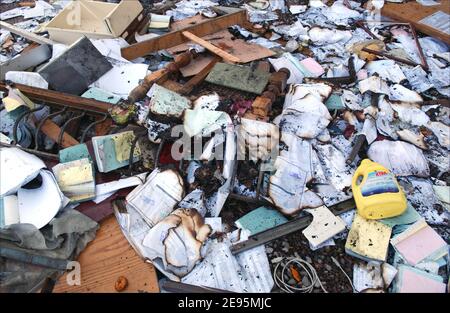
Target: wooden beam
(25,34)
(414,12)
(61,99)
(176,37)
(205,44)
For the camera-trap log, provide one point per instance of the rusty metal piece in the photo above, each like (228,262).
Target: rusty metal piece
(361,24)
(423,60)
(22,116)
(83,136)
(61,133)
(389,56)
(286,228)
(419,47)
(345,80)
(42,122)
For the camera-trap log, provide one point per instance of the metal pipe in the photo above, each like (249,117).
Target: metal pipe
(41,123)
(61,133)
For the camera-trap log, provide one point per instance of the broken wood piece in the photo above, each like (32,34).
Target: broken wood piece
(260,109)
(61,99)
(225,55)
(172,85)
(139,92)
(99,20)
(263,66)
(245,51)
(175,38)
(263,105)
(279,79)
(200,77)
(25,34)
(178,287)
(160,76)
(197,65)
(108,256)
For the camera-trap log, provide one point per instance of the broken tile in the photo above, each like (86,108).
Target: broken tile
(76,68)
(323,226)
(238,77)
(260,219)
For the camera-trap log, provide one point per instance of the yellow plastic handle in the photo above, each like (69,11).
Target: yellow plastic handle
(358,173)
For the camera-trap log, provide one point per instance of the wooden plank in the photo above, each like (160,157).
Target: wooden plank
(223,54)
(106,258)
(175,38)
(413,12)
(187,22)
(61,99)
(172,85)
(26,34)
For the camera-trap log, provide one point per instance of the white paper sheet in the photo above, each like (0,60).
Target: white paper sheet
(157,198)
(17,168)
(122,79)
(103,191)
(39,206)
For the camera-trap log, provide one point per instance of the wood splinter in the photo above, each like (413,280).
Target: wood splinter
(217,51)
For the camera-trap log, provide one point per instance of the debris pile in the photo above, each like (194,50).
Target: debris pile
(244,146)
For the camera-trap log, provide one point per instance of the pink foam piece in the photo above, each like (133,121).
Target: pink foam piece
(414,282)
(312,66)
(418,246)
(362,74)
